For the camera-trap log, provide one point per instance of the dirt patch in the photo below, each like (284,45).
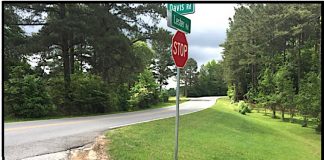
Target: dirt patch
(96,151)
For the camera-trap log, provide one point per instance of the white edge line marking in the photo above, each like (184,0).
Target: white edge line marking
(128,124)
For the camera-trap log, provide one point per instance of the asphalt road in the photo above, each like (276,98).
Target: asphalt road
(34,138)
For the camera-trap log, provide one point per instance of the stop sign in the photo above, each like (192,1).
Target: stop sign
(179,49)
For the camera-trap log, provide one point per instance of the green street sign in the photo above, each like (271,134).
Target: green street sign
(182,8)
(178,22)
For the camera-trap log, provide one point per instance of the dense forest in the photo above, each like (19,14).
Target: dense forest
(272,58)
(91,58)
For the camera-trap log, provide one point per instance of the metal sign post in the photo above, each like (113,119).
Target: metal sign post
(179,50)
(177,116)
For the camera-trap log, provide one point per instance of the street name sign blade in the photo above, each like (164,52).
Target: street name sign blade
(178,22)
(180,49)
(182,8)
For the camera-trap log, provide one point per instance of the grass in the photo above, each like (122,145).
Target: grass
(171,102)
(218,132)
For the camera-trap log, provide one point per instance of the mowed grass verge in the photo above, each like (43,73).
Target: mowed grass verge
(218,132)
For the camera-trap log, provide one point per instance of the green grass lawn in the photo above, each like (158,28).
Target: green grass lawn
(218,132)
(171,102)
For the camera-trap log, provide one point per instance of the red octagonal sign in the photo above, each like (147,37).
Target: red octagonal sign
(180,49)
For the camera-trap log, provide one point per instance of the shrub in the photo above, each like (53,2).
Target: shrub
(89,94)
(26,97)
(244,107)
(172,92)
(144,92)
(231,93)
(123,97)
(164,96)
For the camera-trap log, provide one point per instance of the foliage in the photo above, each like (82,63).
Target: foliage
(89,95)
(162,64)
(14,40)
(89,54)
(144,92)
(309,97)
(164,96)
(189,75)
(269,50)
(97,36)
(172,92)
(26,95)
(230,93)
(243,107)
(284,90)
(210,81)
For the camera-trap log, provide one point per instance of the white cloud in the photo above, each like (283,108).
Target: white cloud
(204,54)
(208,17)
(208,30)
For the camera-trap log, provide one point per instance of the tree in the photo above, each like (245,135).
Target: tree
(267,90)
(188,74)
(144,92)
(26,95)
(14,40)
(309,97)
(162,64)
(98,35)
(285,91)
(269,50)
(209,81)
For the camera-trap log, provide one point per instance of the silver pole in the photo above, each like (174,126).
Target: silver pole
(177,116)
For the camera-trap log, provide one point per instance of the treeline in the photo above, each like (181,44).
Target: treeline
(272,58)
(92,58)
(208,81)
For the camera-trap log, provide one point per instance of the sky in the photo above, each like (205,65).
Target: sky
(208,31)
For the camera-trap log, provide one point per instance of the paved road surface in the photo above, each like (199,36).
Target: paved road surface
(33,138)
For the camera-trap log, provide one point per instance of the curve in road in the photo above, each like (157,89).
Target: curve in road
(33,138)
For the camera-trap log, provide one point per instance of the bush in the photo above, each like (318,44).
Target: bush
(164,96)
(89,94)
(231,93)
(244,107)
(172,92)
(123,97)
(26,97)
(144,92)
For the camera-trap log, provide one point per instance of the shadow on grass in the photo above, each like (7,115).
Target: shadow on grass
(310,123)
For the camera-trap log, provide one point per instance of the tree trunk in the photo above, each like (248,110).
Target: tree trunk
(185,89)
(273,112)
(284,56)
(252,75)
(320,51)
(80,58)
(283,114)
(298,69)
(72,59)
(291,115)
(66,62)
(304,122)
(160,83)
(235,92)
(265,111)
